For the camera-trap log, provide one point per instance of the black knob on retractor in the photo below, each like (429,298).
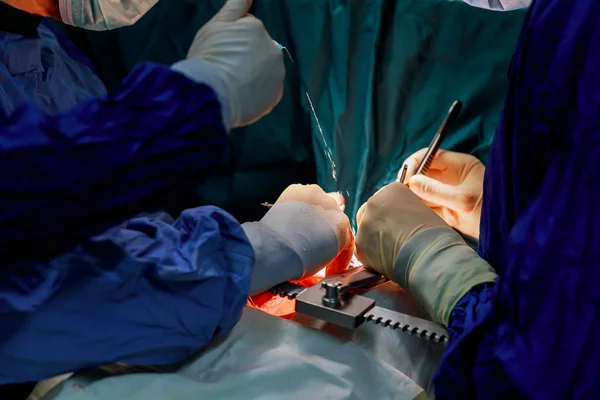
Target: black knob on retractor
(332,294)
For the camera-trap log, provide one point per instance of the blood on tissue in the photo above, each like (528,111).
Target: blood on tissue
(284,307)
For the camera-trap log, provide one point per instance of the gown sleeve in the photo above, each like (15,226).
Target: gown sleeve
(151,291)
(72,175)
(466,328)
(532,334)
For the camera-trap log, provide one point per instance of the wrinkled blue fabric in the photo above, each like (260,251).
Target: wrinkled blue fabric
(534,334)
(49,71)
(72,174)
(152,291)
(75,162)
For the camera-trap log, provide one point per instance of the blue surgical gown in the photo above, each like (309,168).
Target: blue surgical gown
(47,70)
(534,333)
(74,162)
(80,285)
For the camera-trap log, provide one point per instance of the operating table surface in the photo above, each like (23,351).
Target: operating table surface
(266,357)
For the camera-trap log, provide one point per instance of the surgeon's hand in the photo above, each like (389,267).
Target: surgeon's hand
(453,188)
(385,222)
(328,207)
(339,198)
(401,238)
(302,233)
(249,65)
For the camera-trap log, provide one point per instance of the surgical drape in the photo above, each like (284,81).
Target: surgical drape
(381,74)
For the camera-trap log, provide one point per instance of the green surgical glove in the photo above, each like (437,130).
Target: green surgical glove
(401,238)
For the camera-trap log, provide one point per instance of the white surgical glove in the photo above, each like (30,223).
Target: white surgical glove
(401,238)
(499,5)
(302,233)
(234,55)
(453,188)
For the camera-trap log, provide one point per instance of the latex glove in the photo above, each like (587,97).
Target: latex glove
(401,238)
(499,5)
(303,232)
(453,188)
(235,55)
(339,198)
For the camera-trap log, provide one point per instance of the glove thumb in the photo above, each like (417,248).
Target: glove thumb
(436,192)
(233,10)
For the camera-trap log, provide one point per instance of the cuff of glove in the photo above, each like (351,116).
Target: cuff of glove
(290,242)
(275,261)
(440,268)
(201,71)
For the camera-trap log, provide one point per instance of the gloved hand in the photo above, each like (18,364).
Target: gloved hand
(401,238)
(303,232)
(238,59)
(337,196)
(453,188)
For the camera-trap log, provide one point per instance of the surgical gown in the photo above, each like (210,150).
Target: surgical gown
(79,287)
(74,161)
(534,334)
